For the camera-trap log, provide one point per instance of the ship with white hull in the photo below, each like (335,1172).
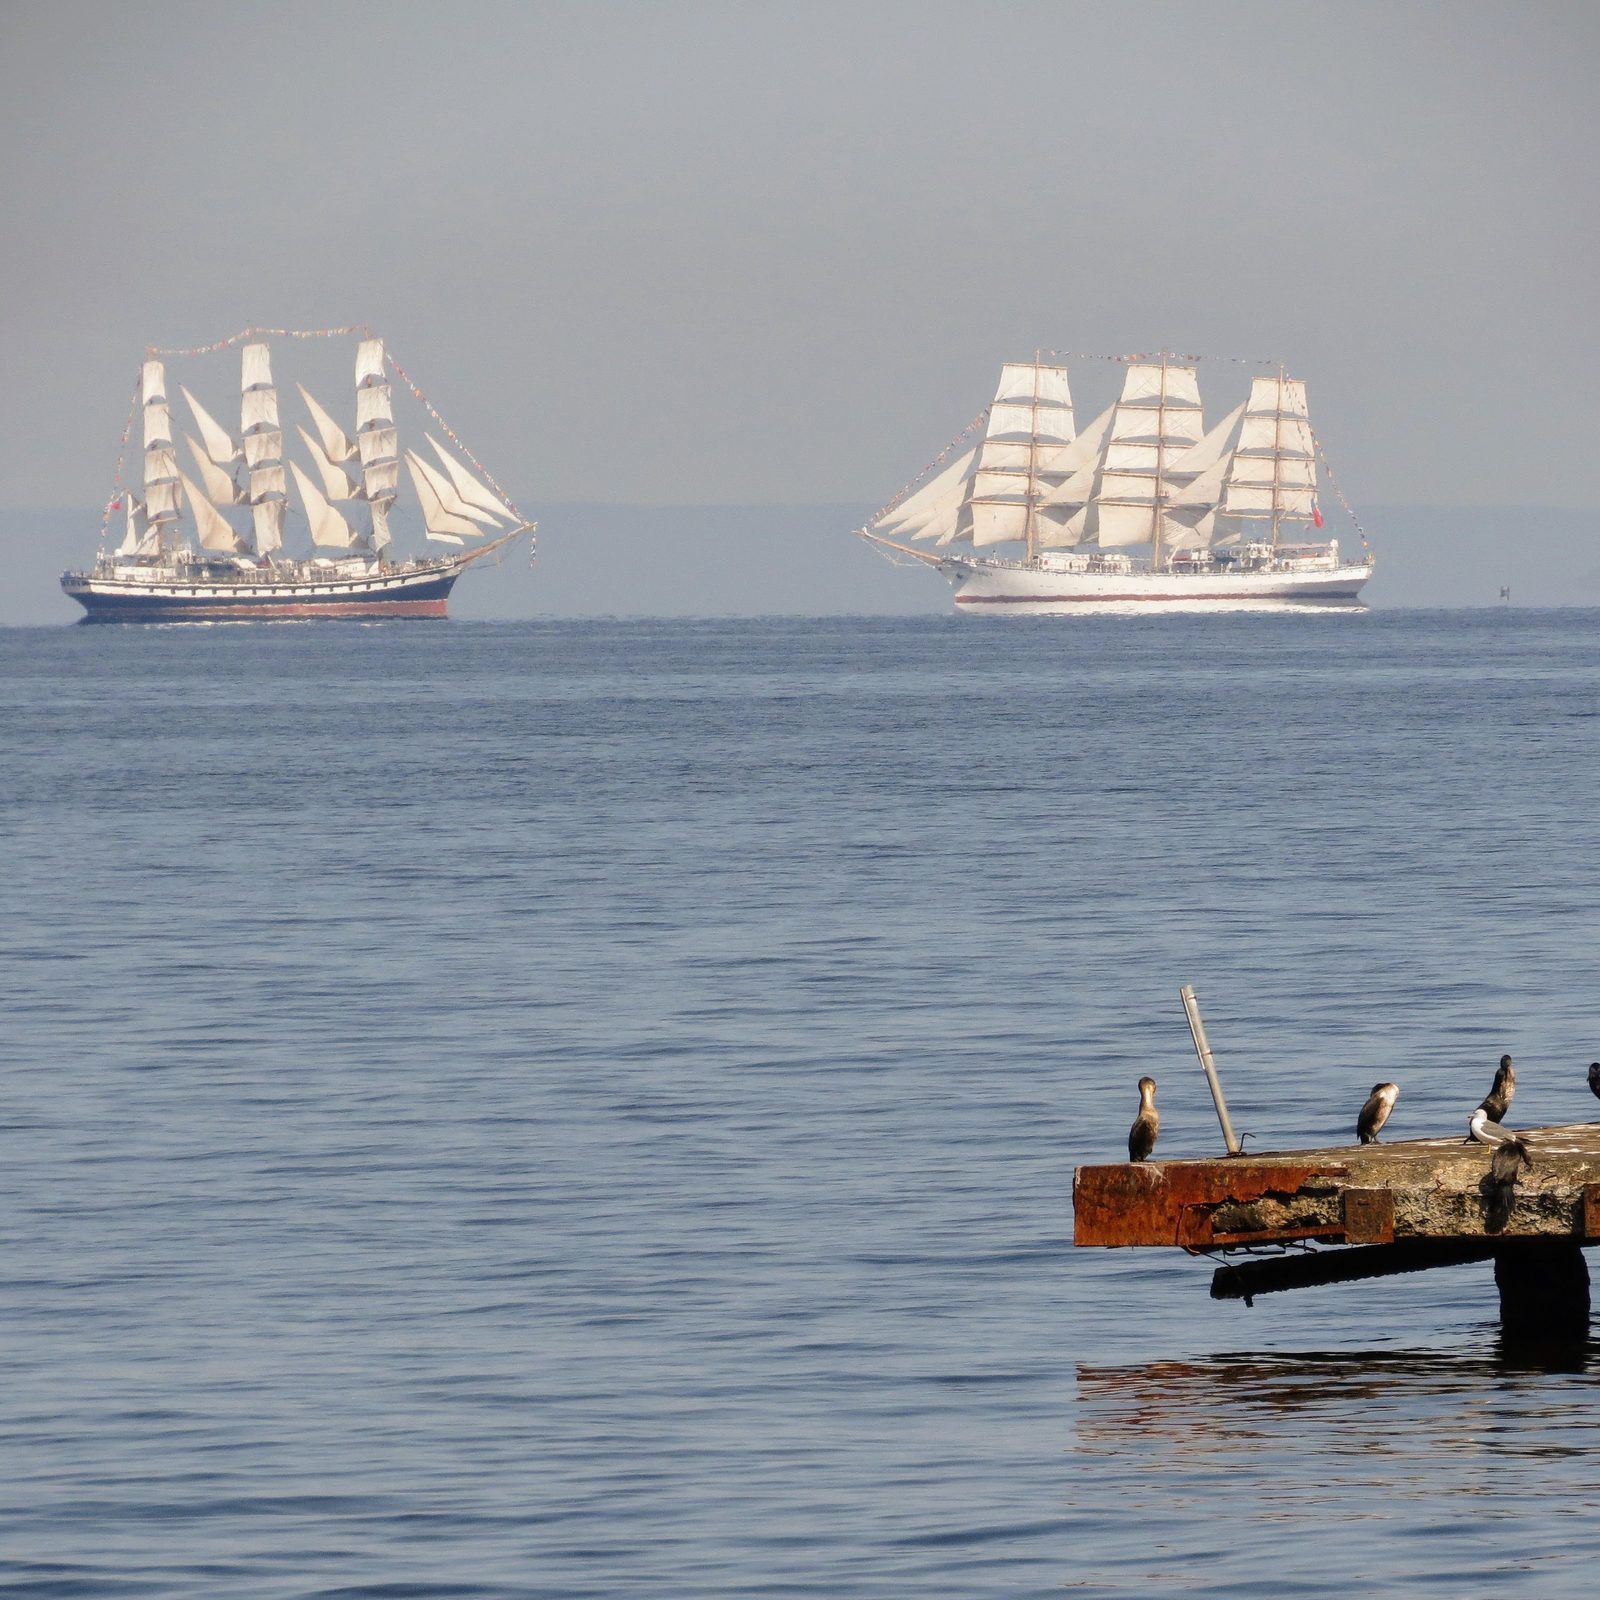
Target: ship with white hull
(187,556)
(1144,505)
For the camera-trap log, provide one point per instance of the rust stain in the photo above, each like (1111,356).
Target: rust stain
(1591,1211)
(1369,1216)
(1151,1204)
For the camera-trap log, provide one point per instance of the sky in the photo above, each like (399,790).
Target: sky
(742,255)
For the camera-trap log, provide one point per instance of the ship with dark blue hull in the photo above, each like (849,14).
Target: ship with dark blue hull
(211,548)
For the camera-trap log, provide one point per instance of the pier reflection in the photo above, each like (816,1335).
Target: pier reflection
(1352,1402)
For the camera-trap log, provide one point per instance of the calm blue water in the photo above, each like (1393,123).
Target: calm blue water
(590,1109)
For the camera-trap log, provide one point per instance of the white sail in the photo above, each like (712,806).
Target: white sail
(160,464)
(937,518)
(216,533)
(1273,473)
(153,382)
(369,361)
(378,444)
(258,409)
(1205,489)
(381,537)
(157,424)
(997,521)
(1191,532)
(265,446)
(441,525)
(336,445)
(381,480)
(1118,525)
(267,480)
(328,526)
(161,501)
(337,484)
(1058,527)
(1162,382)
(1073,491)
(138,529)
(949,480)
(1157,422)
(255,368)
(472,490)
(452,502)
(1212,448)
(1084,451)
(1281,435)
(219,485)
(266,518)
(1027,380)
(372,405)
(1019,420)
(220,446)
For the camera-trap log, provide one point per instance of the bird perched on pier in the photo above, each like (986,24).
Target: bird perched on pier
(1376,1111)
(1497,1102)
(1142,1135)
(1594,1078)
(1511,1155)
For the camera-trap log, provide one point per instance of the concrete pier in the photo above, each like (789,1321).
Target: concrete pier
(1408,1206)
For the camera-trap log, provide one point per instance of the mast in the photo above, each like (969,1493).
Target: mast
(1031,528)
(376,440)
(1273,473)
(1277,464)
(268,492)
(1161,456)
(160,460)
(1157,421)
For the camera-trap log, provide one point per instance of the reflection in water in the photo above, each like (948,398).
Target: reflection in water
(1251,1398)
(1463,1471)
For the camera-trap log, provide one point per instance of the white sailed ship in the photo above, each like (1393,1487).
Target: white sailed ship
(1144,504)
(212,547)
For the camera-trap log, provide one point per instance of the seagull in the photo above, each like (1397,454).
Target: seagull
(1484,1130)
(1497,1102)
(1510,1156)
(1142,1135)
(1594,1078)
(1376,1111)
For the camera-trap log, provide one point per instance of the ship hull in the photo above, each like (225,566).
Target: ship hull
(1013,588)
(107,598)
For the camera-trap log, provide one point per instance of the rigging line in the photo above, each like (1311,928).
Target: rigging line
(937,462)
(450,432)
(259,333)
(119,489)
(1333,480)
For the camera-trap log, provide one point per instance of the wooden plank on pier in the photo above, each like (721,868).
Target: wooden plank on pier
(1359,1194)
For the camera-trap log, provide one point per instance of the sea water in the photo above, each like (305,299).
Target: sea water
(590,1109)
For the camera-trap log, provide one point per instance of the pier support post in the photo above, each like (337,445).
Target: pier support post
(1544,1292)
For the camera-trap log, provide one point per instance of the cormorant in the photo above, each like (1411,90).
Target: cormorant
(1142,1135)
(1376,1111)
(1497,1102)
(1594,1078)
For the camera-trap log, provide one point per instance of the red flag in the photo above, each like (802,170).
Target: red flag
(1316,513)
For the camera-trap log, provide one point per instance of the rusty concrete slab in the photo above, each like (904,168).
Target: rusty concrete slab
(1369,1194)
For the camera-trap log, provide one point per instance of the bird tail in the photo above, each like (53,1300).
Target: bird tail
(1507,1163)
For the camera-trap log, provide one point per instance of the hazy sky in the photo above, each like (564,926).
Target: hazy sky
(696,253)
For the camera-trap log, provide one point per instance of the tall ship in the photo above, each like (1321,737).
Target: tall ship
(1025,513)
(215,546)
